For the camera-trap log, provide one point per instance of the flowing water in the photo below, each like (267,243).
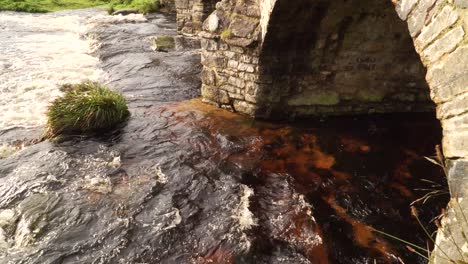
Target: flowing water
(185,182)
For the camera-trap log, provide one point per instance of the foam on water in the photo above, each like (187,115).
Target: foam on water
(38,53)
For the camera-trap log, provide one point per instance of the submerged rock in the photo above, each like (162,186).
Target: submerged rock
(125,12)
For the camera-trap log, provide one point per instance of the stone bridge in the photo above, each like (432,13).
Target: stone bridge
(296,58)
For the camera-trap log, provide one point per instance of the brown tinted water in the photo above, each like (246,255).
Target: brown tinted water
(185,182)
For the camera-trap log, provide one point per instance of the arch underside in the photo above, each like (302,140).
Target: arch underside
(339,57)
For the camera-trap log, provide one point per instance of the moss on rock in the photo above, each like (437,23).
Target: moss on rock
(164,43)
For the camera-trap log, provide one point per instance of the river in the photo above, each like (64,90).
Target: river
(185,182)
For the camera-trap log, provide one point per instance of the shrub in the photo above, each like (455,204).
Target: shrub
(110,10)
(84,108)
(146,6)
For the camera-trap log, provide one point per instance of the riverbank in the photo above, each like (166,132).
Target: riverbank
(43,6)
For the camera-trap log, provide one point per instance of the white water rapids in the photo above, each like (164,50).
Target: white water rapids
(38,53)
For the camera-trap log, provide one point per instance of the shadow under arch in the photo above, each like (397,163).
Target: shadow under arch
(338,57)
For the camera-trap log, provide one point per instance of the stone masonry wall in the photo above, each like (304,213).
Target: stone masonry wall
(235,40)
(230,52)
(339,57)
(191,14)
(439,30)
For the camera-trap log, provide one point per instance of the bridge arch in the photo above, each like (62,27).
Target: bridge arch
(283,58)
(339,57)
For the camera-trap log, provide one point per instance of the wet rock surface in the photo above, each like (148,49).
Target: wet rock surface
(184,182)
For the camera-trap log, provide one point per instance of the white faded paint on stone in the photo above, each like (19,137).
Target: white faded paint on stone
(266,7)
(405,7)
(212,23)
(444,45)
(443,20)
(417,18)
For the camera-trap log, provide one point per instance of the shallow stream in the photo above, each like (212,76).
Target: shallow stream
(185,182)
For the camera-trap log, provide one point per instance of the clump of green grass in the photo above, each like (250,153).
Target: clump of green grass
(142,6)
(84,108)
(226,34)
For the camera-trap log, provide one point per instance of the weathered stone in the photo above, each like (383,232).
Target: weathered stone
(211,23)
(405,7)
(246,67)
(213,60)
(451,237)
(237,96)
(456,106)
(445,44)
(315,98)
(125,12)
(456,123)
(455,144)
(243,28)
(461,3)
(233,64)
(417,18)
(458,177)
(248,10)
(443,20)
(208,77)
(208,44)
(236,82)
(416,23)
(213,94)
(449,77)
(239,42)
(244,107)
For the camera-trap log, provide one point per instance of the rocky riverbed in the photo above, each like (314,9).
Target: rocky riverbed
(184,182)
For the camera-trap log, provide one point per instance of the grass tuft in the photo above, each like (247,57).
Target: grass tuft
(84,108)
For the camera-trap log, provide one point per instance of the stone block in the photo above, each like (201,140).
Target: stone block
(211,23)
(455,107)
(237,82)
(244,107)
(208,77)
(445,44)
(211,59)
(447,17)
(449,77)
(455,144)
(238,96)
(461,3)
(405,7)
(315,98)
(246,67)
(214,94)
(243,27)
(458,177)
(456,123)
(233,64)
(417,19)
(209,44)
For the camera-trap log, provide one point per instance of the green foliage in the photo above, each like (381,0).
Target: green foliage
(146,6)
(41,6)
(84,108)
(226,34)
(110,9)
